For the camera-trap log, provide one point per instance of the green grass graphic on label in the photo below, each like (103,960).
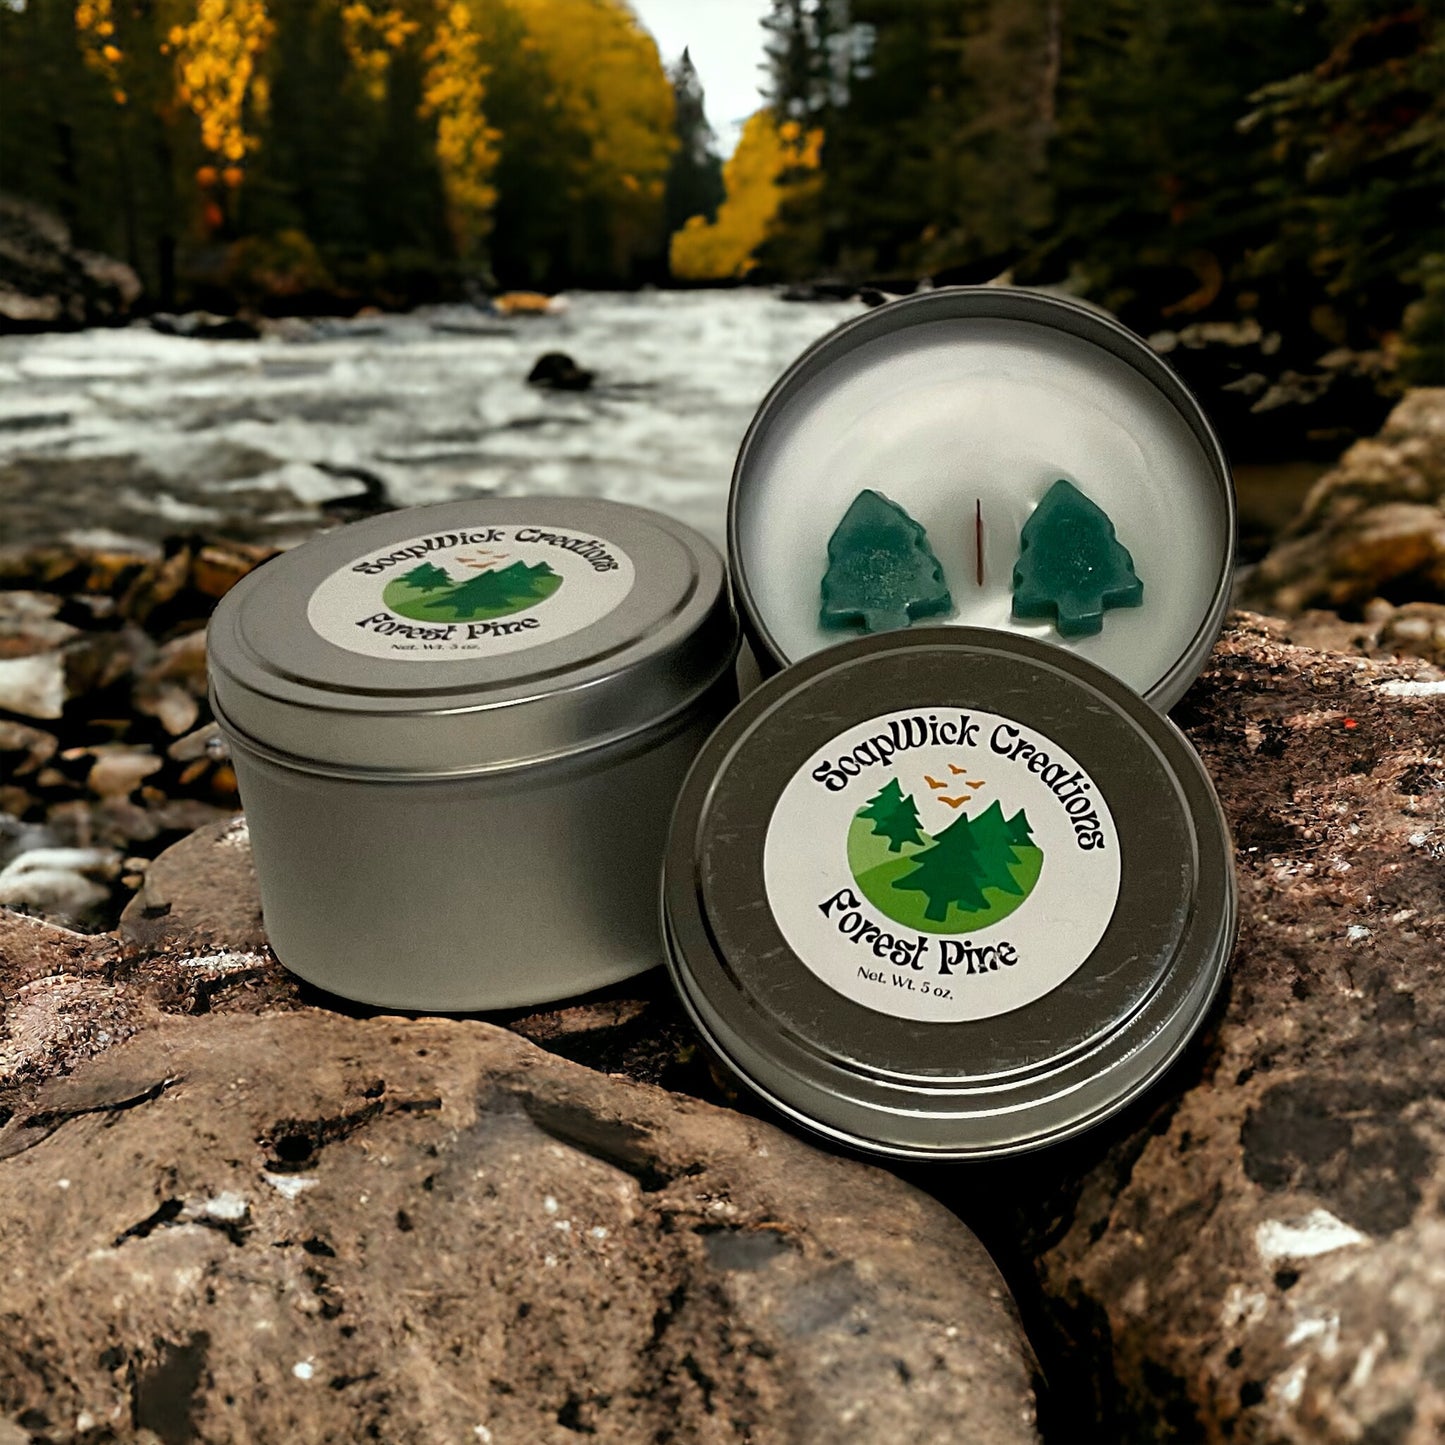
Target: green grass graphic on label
(430,594)
(975,872)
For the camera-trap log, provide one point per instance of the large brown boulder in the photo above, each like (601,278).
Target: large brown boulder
(303,1227)
(47,283)
(1374,526)
(1260,1254)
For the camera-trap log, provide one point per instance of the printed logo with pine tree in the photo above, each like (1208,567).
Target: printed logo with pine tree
(429,593)
(970,871)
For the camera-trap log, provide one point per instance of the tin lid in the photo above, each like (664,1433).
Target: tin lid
(967,404)
(471,636)
(948,893)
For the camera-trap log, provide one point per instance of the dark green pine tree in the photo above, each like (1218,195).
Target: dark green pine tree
(950,873)
(309,173)
(935,144)
(809,52)
(427,578)
(993,841)
(1156,183)
(493,591)
(1020,833)
(694,179)
(894,816)
(1348,160)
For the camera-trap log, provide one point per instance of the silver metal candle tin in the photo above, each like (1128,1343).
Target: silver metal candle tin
(1068,1005)
(471,815)
(929,392)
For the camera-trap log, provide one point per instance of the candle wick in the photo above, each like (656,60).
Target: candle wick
(978,537)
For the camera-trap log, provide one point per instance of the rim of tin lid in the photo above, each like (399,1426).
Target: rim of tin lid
(664,633)
(1065,1058)
(1008,303)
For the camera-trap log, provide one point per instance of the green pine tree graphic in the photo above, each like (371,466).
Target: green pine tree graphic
(970,860)
(950,873)
(427,578)
(494,592)
(894,816)
(993,841)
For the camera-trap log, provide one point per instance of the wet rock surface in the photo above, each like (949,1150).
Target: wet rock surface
(556,371)
(1374,527)
(305,1227)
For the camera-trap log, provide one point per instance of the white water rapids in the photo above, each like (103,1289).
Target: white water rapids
(127,432)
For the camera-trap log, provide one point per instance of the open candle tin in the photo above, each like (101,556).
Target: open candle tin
(459,732)
(947,892)
(961,889)
(988,395)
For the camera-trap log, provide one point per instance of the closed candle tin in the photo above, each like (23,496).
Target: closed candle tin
(947,893)
(964,406)
(458,733)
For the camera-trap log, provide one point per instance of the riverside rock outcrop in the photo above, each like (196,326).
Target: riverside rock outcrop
(306,1227)
(47,283)
(1258,1254)
(1373,527)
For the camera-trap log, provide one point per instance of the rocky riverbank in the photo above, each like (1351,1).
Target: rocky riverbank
(1370,538)
(1251,1253)
(106,756)
(279,1213)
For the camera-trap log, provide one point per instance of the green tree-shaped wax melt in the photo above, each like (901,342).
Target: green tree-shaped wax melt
(881,573)
(1071,566)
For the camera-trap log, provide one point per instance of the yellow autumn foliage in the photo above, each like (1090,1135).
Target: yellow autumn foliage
(216,54)
(771,162)
(372,36)
(609,87)
(455,91)
(95,27)
(602,95)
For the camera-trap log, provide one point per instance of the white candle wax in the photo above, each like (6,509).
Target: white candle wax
(940,414)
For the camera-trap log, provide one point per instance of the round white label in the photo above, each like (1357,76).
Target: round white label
(942,865)
(480,592)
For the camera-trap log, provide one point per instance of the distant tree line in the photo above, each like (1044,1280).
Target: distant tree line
(1174,159)
(288,152)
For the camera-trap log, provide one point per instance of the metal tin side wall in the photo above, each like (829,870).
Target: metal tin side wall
(474,893)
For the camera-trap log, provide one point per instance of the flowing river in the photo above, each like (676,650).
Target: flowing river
(129,433)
